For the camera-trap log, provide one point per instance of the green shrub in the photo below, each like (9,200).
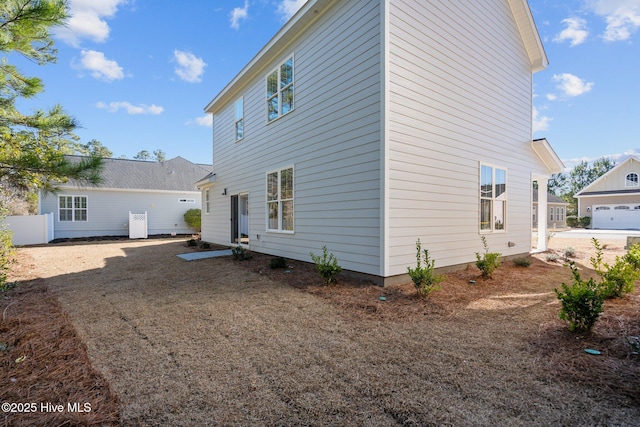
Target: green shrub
(572,221)
(278,262)
(205,245)
(633,256)
(423,276)
(192,242)
(239,253)
(584,221)
(620,278)
(489,261)
(522,262)
(6,249)
(193,218)
(327,266)
(582,302)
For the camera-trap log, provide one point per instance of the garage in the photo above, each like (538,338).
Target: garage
(616,217)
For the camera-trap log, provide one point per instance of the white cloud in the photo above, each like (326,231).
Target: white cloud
(575,32)
(288,8)
(100,67)
(206,121)
(239,13)
(190,68)
(572,85)
(540,123)
(87,21)
(114,107)
(551,97)
(622,17)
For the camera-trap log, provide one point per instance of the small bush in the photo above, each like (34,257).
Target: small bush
(239,253)
(205,245)
(582,302)
(633,256)
(278,262)
(7,251)
(423,276)
(569,252)
(552,257)
(193,218)
(620,278)
(489,261)
(522,262)
(572,221)
(327,266)
(584,221)
(192,242)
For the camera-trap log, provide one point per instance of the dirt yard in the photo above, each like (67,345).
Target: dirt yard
(146,338)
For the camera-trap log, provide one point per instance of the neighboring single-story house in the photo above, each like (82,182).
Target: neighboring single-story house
(613,200)
(556,211)
(365,125)
(165,190)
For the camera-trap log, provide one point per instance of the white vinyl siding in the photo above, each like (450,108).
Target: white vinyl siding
(459,91)
(333,139)
(107,212)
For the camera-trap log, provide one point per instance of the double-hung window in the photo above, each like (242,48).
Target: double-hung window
(280,200)
(280,85)
(493,198)
(239,119)
(72,208)
(207,201)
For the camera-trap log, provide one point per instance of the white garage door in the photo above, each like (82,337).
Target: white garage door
(616,217)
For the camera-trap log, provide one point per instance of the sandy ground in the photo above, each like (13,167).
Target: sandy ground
(220,342)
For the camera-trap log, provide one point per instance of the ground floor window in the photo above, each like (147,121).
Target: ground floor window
(493,198)
(280,200)
(72,208)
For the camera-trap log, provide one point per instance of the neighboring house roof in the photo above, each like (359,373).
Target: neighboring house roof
(177,174)
(313,9)
(551,198)
(591,189)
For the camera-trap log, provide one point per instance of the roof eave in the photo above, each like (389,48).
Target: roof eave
(547,155)
(530,36)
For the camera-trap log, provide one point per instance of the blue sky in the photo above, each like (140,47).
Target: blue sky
(137,73)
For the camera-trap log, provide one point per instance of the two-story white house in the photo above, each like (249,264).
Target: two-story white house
(364,125)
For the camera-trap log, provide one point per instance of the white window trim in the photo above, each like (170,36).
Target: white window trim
(277,69)
(207,201)
(631,184)
(73,209)
(493,198)
(279,200)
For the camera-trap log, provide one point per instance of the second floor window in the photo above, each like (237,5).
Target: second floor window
(280,90)
(631,180)
(239,119)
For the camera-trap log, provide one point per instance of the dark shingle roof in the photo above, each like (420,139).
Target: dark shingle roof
(177,174)
(551,198)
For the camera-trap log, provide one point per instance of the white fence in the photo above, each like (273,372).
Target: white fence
(137,225)
(30,229)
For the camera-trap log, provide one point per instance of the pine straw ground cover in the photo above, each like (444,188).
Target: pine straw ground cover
(149,339)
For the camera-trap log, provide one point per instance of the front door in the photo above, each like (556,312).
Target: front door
(240,219)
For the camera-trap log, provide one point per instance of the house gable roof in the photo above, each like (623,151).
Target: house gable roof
(548,156)
(598,187)
(313,9)
(177,174)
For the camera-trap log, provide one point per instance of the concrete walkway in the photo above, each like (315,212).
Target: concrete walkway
(203,255)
